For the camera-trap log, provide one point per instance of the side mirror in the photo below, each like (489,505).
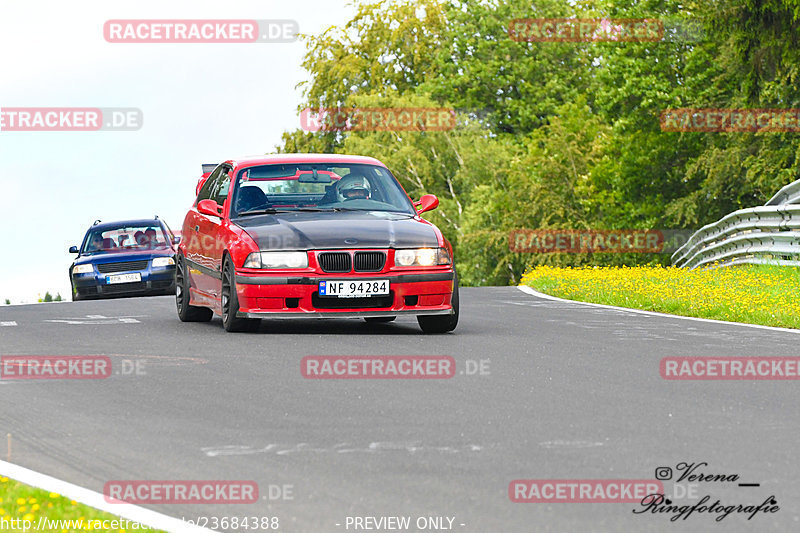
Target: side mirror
(73,249)
(176,239)
(209,207)
(427,202)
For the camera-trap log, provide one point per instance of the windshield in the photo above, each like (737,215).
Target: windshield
(125,238)
(318,187)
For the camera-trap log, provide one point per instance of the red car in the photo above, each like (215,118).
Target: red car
(312,235)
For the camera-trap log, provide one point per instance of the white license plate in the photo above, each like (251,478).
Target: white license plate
(347,288)
(124,278)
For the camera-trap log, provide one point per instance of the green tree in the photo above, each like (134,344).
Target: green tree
(561,135)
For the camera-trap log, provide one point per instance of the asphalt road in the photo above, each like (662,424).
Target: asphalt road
(570,392)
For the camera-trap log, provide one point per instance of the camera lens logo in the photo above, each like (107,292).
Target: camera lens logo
(663,473)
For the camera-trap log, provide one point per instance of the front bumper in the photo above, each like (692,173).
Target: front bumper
(159,280)
(287,296)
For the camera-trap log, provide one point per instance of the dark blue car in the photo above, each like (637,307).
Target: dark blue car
(124,258)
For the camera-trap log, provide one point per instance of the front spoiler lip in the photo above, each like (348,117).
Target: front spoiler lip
(344,314)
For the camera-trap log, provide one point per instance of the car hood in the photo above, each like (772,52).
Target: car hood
(128,255)
(353,229)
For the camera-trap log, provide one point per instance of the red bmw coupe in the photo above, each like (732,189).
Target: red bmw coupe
(312,235)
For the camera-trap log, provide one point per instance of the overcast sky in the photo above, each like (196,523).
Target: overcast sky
(201,103)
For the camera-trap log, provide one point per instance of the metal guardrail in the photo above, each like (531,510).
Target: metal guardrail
(768,234)
(790,194)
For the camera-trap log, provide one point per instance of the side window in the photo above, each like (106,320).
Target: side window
(208,187)
(220,193)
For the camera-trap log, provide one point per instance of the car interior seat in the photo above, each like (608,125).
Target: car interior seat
(330,194)
(249,198)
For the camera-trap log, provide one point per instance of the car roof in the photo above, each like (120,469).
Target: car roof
(304,158)
(133,222)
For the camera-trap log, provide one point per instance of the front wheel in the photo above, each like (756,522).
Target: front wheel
(442,323)
(230,302)
(186,312)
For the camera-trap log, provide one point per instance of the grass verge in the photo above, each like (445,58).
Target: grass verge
(754,294)
(22,505)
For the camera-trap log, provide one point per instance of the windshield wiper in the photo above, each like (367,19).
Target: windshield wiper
(273,211)
(270,211)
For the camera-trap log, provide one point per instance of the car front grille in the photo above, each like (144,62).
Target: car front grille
(118,288)
(369,261)
(335,261)
(122,266)
(343,262)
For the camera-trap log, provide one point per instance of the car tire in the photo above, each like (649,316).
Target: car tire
(230,302)
(379,319)
(442,323)
(186,312)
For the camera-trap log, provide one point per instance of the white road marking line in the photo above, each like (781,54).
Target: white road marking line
(342,447)
(94,499)
(8,324)
(534,292)
(98,319)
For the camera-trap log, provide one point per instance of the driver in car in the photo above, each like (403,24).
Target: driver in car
(150,238)
(353,188)
(96,244)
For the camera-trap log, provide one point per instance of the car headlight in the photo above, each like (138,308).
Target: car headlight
(277,260)
(163,261)
(82,269)
(421,257)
